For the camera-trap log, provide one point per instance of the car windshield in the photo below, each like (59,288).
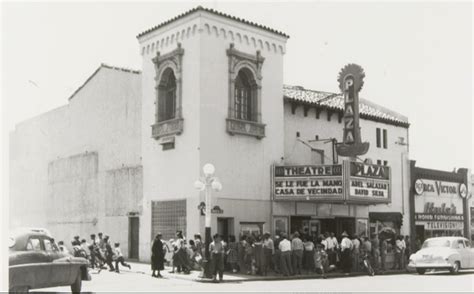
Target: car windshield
(436,243)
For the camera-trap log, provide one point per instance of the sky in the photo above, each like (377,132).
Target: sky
(417,57)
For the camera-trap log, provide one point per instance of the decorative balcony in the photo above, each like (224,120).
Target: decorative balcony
(167,128)
(244,127)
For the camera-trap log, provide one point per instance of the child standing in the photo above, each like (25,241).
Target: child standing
(119,258)
(320,260)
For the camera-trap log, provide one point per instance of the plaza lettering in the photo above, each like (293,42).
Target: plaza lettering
(372,171)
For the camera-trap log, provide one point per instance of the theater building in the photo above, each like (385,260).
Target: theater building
(122,156)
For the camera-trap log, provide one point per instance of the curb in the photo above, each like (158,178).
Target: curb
(282,278)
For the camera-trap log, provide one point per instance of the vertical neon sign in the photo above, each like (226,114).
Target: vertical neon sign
(351,82)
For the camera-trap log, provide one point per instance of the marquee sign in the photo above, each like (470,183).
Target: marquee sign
(369,182)
(350,83)
(322,182)
(349,182)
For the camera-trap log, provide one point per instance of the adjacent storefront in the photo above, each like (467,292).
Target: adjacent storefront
(438,204)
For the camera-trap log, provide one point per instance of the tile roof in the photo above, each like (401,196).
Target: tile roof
(215,12)
(103,65)
(335,101)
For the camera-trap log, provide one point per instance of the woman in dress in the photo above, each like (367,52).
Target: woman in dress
(157,256)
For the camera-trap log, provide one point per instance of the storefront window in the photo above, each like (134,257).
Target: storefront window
(361,227)
(250,229)
(280,225)
(385,230)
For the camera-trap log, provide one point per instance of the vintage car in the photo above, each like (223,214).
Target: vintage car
(451,253)
(35,261)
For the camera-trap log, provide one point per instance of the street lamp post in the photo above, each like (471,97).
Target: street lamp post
(208,183)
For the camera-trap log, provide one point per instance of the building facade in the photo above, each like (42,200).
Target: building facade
(439,203)
(210,90)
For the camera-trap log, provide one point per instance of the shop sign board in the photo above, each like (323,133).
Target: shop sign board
(349,182)
(439,205)
(369,182)
(323,182)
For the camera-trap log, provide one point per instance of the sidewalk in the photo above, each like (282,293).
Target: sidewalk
(237,278)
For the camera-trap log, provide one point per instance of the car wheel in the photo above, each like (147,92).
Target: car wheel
(455,268)
(421,271)
(76,287)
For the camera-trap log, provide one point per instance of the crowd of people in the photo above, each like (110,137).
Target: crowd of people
(99,252)
(258,254)
(253,254)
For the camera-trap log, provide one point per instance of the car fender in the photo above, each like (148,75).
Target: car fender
(453,257)
(22,275)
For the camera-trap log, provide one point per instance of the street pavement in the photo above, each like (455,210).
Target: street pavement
(139,279)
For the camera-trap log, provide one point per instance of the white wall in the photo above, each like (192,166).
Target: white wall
(78,144)
(170,174)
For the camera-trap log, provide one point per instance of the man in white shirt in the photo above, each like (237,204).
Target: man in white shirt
(404,247)
(285,249)
(355,253)
(331,249)
(334,241)
(346,247)
(268,251)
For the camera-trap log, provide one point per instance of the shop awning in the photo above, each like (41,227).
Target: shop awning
(395,217)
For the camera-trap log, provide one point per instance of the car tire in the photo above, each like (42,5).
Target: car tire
(455,269)
(421,271)
(76,287)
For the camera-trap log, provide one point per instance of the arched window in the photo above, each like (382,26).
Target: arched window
(245,91)
(243,102)
(167,96)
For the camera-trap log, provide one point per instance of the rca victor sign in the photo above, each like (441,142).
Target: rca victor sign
(347,182)
(439,205)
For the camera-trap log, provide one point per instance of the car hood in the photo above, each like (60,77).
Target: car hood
(434,251)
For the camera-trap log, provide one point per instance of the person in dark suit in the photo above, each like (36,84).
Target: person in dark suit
(157,256)
(109,254)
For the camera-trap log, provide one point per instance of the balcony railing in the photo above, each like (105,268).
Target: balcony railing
(167,128)
(244,127)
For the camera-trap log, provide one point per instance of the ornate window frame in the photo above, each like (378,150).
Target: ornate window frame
(174,61)
(253,63)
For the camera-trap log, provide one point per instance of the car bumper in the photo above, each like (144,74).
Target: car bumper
(434,265)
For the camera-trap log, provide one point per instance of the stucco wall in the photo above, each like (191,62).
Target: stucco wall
(61,161)
(242,163)
(170,174)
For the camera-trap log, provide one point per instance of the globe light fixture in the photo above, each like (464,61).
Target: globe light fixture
(208,169)
(200,186)
(216,185)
